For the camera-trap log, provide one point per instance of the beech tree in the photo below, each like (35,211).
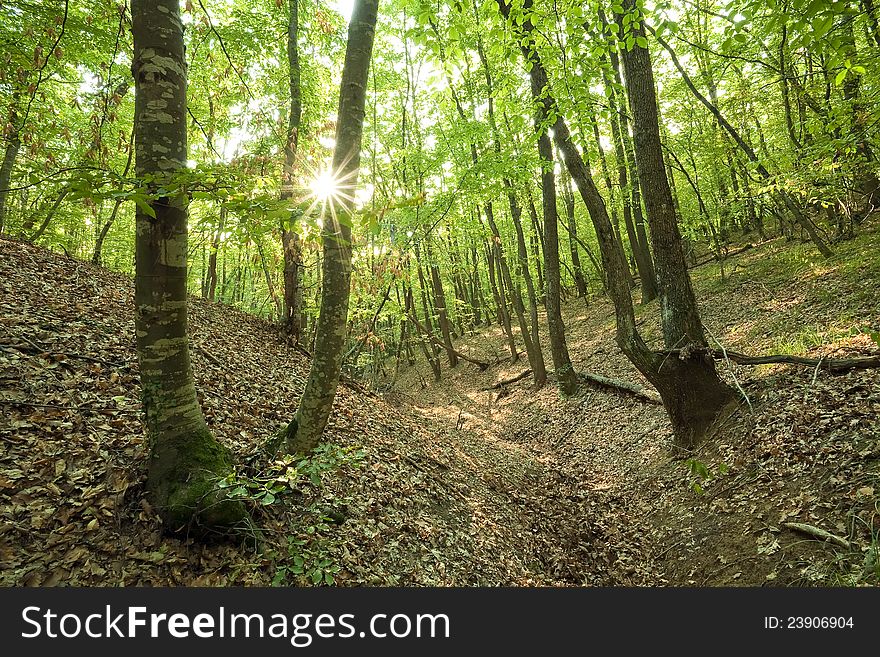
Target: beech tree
(185,461)
(315,405)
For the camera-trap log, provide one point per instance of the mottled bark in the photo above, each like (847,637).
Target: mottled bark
(316,403)
(185,460)
(627,173)
(688,396)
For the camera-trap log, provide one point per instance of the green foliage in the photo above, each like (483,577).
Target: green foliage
(701,473)
(307,561)
(290,474)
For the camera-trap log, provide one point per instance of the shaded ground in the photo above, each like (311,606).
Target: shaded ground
(445,483)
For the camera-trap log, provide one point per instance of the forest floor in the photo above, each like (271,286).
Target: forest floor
(445,483)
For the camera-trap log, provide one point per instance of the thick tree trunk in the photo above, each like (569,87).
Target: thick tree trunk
(690,394)
(694,395)
(629,180)
(292,306)
(316,403)
(564,371)
(186,461)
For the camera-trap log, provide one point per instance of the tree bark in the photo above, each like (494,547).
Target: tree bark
(316,403)
(290,242)
(691,411)
(688,395)
(10,153)
(186,461)
(440,307)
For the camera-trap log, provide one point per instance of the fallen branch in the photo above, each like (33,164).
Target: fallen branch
(724,256)
(642,393)
(818,533)
(54,352)
(208,355)
(84,409)
(834,365)
(433,338)
(501,384)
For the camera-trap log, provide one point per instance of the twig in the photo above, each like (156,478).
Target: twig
(92,409)
(730,369)
(818,533)
(501,384)
(816,371)
(210,357)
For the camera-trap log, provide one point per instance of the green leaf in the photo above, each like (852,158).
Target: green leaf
(315,478)
(316,576)
(141,202)
(840,77)
(642,42)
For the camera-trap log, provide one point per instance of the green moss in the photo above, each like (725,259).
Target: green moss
(182,481)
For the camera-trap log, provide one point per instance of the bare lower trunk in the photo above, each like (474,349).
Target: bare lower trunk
(292,306)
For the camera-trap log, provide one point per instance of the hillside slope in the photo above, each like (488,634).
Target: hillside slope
(423,505)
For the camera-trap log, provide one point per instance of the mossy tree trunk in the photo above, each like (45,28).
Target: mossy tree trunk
(316,403)
(185,459)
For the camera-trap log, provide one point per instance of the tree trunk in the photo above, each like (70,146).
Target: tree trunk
(440,307)
(694,395)
(316,403)
(577,272)
(13,144)
(627,173)
(291,247)
(49,215)
(186,461)
(535,356)
(99,242)
(690,397)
